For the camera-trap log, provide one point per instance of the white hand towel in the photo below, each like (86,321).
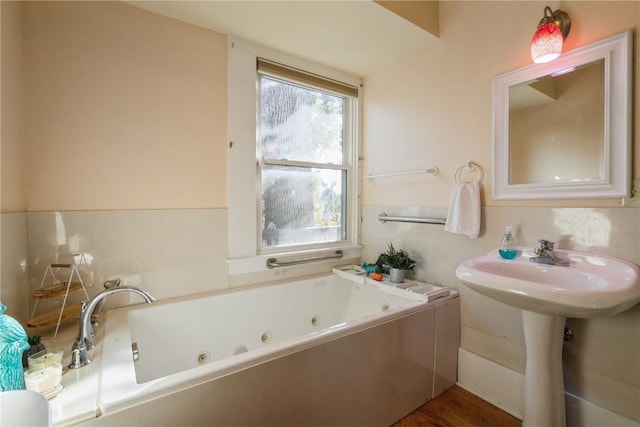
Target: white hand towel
(464,210)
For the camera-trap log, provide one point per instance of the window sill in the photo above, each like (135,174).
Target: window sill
(258,263)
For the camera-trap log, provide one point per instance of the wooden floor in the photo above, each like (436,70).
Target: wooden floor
(457,407)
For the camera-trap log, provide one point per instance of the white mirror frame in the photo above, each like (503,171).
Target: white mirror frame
(617,54)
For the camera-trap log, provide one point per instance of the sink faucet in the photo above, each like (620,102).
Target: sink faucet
(546,255)
(79,352)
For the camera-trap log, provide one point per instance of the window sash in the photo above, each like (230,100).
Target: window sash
(348,136)
(297,238)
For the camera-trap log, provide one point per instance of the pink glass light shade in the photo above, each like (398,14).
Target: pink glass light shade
(546,44)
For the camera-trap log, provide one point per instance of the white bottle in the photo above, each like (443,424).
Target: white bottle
(508,248)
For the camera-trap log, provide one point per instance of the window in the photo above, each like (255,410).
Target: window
(305,148)
(292,163)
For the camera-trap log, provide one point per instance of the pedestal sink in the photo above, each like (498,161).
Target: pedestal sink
(590,286)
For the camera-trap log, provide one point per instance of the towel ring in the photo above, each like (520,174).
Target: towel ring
(469,167)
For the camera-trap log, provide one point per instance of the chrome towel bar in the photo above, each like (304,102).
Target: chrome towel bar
(383,217)
(431,171)
(274,263)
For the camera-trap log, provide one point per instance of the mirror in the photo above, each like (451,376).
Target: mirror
(563,129)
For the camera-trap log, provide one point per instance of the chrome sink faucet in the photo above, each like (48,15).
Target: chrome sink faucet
(546,255)
(79,352)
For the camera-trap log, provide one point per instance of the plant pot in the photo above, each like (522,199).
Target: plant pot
(30,352)
(396,275)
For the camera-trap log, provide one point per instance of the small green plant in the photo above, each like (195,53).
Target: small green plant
(398,259)
(35,346)
(33,339)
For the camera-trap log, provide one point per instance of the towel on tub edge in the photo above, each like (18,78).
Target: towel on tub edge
(464,210)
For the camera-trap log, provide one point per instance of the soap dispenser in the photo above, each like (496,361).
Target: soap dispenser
(507,248)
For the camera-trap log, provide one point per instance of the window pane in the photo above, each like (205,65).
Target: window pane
(300,123)
(301,205)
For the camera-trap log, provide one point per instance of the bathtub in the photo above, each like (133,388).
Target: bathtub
(336,349)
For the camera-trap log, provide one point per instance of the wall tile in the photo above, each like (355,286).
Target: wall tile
(14,284)
(169,253)
(602,364)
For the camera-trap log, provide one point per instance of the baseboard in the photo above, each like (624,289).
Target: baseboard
(504,388)
(497,384)
(582,413)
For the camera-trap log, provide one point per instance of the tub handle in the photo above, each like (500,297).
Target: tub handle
(135,352)
(274,263)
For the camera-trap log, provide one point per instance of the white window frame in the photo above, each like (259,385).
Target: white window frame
(244,192)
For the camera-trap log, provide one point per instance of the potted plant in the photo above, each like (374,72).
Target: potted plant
(36,347)
(399,263)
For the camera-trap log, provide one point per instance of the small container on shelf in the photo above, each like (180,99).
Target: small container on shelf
(46,381)
(45,358)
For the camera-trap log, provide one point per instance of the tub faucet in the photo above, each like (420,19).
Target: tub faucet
(79,352)
(114,283)
(546,255)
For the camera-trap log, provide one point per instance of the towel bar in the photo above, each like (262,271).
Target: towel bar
(383,217)
(432,171)
(274,263)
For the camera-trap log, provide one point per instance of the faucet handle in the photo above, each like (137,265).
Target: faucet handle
(113,283)
(75,359)
(546,245)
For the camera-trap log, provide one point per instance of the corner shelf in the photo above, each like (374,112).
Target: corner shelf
(69,311)
(57,289)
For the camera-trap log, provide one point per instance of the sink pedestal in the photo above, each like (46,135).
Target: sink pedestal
(589,286)
(543,381)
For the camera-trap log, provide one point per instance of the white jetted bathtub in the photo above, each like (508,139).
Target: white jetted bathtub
(332,350)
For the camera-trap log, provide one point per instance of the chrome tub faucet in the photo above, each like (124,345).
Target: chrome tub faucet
(84,342)
(546,255)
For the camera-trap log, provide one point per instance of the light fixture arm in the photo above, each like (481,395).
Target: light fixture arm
(560,18)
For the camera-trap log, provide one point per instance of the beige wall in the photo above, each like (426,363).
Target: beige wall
(14,284)
(127,110)
(124,109)
(13,155)
(435,109)
(108,107)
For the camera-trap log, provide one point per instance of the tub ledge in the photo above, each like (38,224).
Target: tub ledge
(78,401)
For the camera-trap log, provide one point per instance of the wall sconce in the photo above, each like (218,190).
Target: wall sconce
(546,44)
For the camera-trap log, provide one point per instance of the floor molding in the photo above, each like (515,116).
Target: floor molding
(504,388)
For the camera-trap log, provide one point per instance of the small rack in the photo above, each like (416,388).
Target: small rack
(408,288)
(57,288)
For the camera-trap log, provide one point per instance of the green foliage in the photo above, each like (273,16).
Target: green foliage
(33,339)
(398,259)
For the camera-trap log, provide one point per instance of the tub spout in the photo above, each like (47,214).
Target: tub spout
(96,312)
(79,352)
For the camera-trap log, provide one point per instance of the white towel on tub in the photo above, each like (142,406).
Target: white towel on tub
(464,210)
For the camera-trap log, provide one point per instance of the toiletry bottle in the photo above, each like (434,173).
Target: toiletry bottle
(507,248)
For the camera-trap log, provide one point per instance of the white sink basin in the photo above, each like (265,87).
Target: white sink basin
(591,285)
